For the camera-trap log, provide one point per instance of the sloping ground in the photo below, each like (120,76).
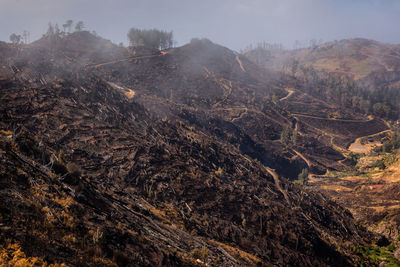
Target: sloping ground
(149,192)
(372,198)
(88,224)
(369,191)
(324,131)
(357,58)
(204,85)
(361,145)
(346,130)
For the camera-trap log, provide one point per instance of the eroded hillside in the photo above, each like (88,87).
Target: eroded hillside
(164,158)
(225,95)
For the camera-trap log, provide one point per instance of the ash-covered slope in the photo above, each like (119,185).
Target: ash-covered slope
(150,192)
(225,95)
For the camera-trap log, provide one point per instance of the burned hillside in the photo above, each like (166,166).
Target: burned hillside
(160,159)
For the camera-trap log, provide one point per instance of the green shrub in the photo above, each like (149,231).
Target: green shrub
(379,254)
(303,176)
(378,163)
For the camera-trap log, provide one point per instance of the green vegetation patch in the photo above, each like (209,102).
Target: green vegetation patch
(378,255)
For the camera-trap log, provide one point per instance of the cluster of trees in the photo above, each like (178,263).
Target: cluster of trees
(263,46)
(381,101)
(307,44)
(18,39)
(67,27)
(392,145)
(263,52)
(51,31)
(302,178)
(288,136)
(373,96)
(153,38)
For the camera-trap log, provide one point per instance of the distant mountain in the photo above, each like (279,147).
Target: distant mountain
(231,98)
(367,71)
(357,58)
(112,156)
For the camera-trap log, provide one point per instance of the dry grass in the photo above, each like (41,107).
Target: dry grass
(239,254)
(381,208)
(130,94)
(12,255)
(5,132)
(337,188)
(65,202)
(392,174)
(168,214)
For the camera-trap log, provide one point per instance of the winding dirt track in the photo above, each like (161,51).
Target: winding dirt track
(240,63)
(241,114)
(329,119)
(302,156)
(122,60)
(290,92)
(357,147)
(277,184)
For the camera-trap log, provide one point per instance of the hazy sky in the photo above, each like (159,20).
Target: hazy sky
(233,23)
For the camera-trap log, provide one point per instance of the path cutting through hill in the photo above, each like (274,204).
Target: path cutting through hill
(330,119)
(303,157)
(122,60)
(241,114)
(129,93)
(277,184)
(290,92)
(357,147)
(240,63)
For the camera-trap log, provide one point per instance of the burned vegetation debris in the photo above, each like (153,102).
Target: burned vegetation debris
(115,156)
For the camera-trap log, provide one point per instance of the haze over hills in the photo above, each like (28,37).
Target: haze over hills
(363,72)
(135,156)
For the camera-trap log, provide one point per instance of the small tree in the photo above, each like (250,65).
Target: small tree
(293,137)
(79,26)
(295,65)
(15,39)
(50,30)
(65,26)
(57,29)
(353,158)
(26,35)
(285,135)
(68,25)
(303,176)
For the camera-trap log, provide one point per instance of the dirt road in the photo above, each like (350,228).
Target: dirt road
(290,92)
(357,147)
(277,184)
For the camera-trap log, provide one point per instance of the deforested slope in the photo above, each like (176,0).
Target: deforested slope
(103,181)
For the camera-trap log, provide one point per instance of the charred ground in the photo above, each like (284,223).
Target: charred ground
(174,152)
